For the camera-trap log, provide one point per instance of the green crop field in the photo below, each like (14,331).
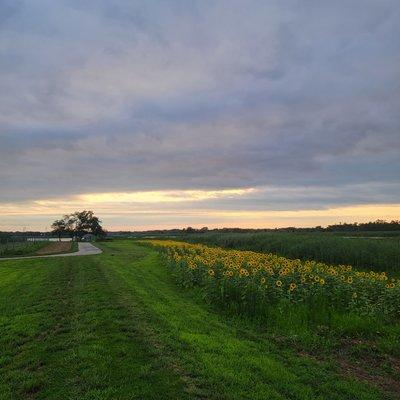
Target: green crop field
(119,326)
(362,250)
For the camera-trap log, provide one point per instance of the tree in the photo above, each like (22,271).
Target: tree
(59,228)
(79,224)
(86,222)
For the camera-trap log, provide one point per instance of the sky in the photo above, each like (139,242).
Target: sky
(162,114)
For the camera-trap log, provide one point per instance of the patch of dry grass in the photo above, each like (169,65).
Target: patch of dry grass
(55,248)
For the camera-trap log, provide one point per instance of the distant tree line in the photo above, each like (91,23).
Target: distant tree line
(378,225)
(80,223)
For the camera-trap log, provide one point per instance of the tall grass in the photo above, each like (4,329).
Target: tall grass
(381,254)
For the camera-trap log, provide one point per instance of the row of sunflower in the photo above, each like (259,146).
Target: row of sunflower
(251,281)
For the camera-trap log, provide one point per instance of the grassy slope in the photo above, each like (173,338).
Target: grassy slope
(115,326)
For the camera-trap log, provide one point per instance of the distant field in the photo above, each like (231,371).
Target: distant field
(366,253)
(366,234)
(20,248)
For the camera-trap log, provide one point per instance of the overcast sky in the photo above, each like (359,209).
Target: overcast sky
(220,113)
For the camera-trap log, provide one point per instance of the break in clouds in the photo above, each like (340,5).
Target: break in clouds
(297,99)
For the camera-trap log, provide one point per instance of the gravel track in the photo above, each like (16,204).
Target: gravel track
(84,249)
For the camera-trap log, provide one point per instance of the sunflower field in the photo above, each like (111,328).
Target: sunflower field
(249,282)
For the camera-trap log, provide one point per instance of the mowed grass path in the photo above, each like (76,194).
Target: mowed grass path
(116,326)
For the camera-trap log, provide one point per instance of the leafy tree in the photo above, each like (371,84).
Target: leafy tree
(59,228)
(79,224)
(87,222)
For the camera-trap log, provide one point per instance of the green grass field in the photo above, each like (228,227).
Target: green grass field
(117,326)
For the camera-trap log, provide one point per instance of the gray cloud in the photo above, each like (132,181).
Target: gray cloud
(143,95)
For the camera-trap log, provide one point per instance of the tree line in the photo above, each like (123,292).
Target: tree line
(378,225)
(81,223)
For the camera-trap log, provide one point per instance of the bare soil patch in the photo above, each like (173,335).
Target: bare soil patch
(55,248)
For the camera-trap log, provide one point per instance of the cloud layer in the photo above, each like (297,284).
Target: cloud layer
(298,100)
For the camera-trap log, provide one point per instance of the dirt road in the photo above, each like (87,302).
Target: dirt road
(84,249)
